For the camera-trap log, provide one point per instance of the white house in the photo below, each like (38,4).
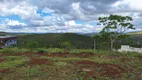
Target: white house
(127,48)
(7,40)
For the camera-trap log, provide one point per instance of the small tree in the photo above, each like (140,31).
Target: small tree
(115,26)
(100,40)
(32,44)
(96,37)
(66,45)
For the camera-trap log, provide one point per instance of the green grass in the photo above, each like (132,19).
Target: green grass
(11,58)
(60,63)
(15,50)
(63,68)
(12,64)
(12,61)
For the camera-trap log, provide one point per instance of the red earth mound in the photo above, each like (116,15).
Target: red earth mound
(38,61)
(64,54)
(112,70)
(93,69)
(4,70)
(25,54)
(1,60)
(85,62)
(85,54)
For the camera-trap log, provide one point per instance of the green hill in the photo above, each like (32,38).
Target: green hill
(135,33)
(55,40)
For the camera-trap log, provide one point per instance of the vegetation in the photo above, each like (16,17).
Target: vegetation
(71,56)
(66,45)
(81,64)
(55,41)
(115,27)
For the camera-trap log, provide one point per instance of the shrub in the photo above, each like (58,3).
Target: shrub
(40,51)
(10,50)
(66,45)
(54,50)
(32,44)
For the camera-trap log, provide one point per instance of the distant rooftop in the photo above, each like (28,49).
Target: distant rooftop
(7,36)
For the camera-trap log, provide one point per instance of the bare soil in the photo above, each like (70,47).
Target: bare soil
(94,69)
(36,61)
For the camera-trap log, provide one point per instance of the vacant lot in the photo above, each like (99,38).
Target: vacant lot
(84,65)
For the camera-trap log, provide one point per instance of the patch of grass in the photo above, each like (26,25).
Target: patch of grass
(54,50)
(95,59)
(24,73)
(11,58)
(60,63)
(100,60)
(14,50)
(141,76)
(129,76)
(104,78)
(61,59)
(12,61)
(10,50)
(89,51)
(30,72)
(128,54)
(12,64)
(40,50)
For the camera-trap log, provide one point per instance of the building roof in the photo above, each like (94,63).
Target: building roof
(7,37)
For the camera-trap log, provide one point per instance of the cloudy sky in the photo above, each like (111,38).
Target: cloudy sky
(53,16)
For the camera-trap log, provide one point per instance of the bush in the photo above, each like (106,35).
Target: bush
(40,51)
(54,50)
(32,44)
(66,45)
(10,50)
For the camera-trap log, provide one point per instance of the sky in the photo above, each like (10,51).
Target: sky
(59,16)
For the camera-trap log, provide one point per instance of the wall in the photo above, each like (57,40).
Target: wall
(10,42)
(131,49)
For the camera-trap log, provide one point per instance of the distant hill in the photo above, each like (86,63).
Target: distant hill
(56,39)
(137,32)
(88,34)
(135,39)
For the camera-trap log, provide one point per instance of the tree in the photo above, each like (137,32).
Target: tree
(100,40)
(32,44)
(96,37)
(115,26)
(66,45)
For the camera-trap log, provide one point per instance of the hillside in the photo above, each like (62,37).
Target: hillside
(55,40)
(135,33)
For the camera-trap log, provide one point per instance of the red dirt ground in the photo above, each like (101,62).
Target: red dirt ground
(25,54)
(4,70)
(85,54)
(65,54)
(112,70)
(38,61)
(1,60)
(109,70)
(60,54)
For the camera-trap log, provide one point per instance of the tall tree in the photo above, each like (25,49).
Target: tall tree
(115,26)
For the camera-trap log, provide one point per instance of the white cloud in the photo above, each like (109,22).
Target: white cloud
(131,5)
(23,9)
(65,12)
(14,23)
(47,10)
(70,23)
